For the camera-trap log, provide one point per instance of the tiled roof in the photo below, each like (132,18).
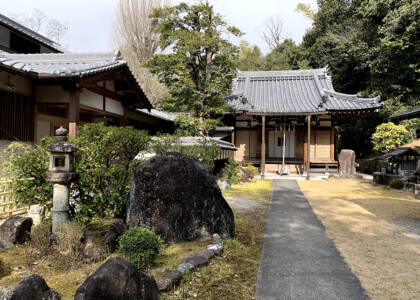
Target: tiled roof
(166,116)
(292,92)
(65,65)
(54,65)
(29,33)
(401,151)
(407,114)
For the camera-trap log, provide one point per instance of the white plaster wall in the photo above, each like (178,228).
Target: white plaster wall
(22,85)
(110,85)
(114,106)
(4,37)
(42,129)
(51,94)
(91,99)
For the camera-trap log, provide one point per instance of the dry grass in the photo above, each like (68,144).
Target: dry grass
(231,277)
(377,230)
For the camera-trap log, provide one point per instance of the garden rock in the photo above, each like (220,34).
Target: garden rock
(5,245)
(185,268)
(117,279)
(223,184)
(197,260)
(5,294)
(33,287)
(171,280)
(207,253)
(217,239)
(16,230)
(101,238)
(216,248)
(178,198)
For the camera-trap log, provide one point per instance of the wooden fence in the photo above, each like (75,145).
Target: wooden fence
(7,203)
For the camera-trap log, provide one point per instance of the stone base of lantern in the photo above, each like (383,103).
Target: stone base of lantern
(60,209)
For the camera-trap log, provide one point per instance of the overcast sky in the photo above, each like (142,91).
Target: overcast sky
(90,22)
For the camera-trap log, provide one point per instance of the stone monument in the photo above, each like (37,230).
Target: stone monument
(60,173)
(347,165)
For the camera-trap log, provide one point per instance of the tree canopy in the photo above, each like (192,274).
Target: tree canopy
(198,62)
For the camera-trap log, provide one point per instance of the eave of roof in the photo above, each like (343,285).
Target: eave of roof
(401,151)
(68,66)
(29,33)
(409,113)
(293,92)
(158,114)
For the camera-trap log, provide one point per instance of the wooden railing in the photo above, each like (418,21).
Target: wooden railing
(7,201)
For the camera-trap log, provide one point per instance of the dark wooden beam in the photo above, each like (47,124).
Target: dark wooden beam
(308,150)
(104,92)
(263,149)
(74,111)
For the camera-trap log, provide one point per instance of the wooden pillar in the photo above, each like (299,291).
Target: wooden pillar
(124,119)
(263,148)
(74,111)
(308,149)
(332,141)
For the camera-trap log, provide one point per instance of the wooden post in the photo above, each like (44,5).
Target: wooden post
(308,151)
(74,111)
(263,149)
(332,142)
(283,165)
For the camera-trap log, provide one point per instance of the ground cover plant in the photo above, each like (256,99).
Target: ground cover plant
(376,229)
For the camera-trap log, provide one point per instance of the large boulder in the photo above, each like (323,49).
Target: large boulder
(117,279)
(33,287)
(101,238)
(16,230)
(178,198)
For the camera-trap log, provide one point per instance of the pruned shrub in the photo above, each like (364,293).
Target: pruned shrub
(141,246)
(29,162)
(40,236)
(235,173)
(104,161)
(397,184)
(104,165)
(231,171)
(248,173)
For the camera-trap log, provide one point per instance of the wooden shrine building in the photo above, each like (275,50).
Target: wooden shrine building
(284,120)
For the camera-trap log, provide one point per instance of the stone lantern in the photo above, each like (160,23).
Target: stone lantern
(60,173)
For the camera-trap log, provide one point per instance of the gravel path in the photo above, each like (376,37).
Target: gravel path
(298,260)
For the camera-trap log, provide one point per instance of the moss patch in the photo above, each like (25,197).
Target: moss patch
(257,190)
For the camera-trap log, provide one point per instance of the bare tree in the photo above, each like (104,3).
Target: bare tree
(272,31)
(39,22)
(133,28)
(135,38)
